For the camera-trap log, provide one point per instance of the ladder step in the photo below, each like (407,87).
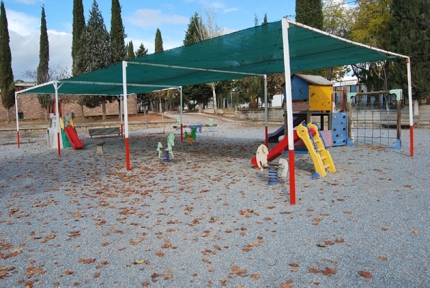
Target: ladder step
(326,166)
(323,158)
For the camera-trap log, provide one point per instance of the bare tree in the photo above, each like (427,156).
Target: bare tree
(53,74)
(208,30)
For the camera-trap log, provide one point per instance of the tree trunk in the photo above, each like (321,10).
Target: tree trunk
(82,111)
(214,95)
(119,110)
(104,110)
(46,114)
(8,116)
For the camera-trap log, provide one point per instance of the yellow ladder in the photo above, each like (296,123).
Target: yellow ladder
(316,148)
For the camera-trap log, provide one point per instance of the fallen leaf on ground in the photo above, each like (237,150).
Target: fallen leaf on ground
(314,271)
(86,261)
(328,271)
(365,274)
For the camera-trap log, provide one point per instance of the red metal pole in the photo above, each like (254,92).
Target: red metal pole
(411,129)
(267,136)
(292,177)
(127,154)
(19,139)
(58,144)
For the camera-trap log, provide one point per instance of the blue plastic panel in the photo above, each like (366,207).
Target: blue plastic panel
(339,128)
(300,88)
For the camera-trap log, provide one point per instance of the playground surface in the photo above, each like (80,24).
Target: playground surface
(207,219)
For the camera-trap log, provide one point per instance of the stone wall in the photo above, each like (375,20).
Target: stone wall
(273,114)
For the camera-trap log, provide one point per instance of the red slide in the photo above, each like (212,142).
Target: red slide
(279,148)
(73,138)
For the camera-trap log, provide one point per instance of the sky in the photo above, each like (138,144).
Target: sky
(140,19)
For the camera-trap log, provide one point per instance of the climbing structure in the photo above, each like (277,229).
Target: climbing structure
(316,148)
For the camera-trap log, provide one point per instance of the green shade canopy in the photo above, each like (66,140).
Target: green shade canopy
(254,51)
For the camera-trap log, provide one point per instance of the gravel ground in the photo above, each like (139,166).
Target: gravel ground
(209,220)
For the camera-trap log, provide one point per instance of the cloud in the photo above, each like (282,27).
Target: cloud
(154,18)
(228,10)
(226,30)
(22,23)
(24,33)
(25,52)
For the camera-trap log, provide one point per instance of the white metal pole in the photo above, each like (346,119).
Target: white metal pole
(121,104)
(57,110)
(289,104)
(411,115)
(124,87)
(180,114)
(266,109)
(17,120)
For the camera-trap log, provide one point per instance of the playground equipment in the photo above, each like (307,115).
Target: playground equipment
(261,162)
(273,137)
(167,152)
(372,115)
(191,136)
(317,149)
(69,137)
(317,91)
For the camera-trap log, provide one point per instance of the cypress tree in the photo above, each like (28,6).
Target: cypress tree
(43,68)
(410,34)
(130,51)
(117,34)
(78,28)
(264,20)
(309,12)
(7,86)
(158,42)
(141,51)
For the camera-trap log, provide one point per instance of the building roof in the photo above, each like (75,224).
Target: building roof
(314,79)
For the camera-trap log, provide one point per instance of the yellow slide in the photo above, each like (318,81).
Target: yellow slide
(316,148)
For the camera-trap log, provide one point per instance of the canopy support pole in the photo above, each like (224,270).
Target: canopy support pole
(57,112)
(127,143)
(289,104)
(180,114)
(17,120)
(266,133)
(121,104)
(411,114)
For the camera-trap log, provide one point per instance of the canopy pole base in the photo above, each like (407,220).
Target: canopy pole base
(127,154)
(59,144)
(292,177)
(18,139)
(411,133)
(266,135)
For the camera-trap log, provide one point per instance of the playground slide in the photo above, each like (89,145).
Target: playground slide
(277,150)
(273,137)
(73,138)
